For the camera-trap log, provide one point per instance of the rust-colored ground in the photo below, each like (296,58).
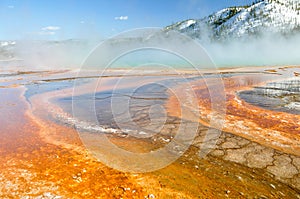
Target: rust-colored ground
(270,128)
(40,158)
(32,167)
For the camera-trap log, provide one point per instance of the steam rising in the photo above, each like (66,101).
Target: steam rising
(272,49)
(52,54)
(264,50)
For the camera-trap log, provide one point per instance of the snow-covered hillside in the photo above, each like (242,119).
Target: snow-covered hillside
(6,49)
(262,17)
(7,43)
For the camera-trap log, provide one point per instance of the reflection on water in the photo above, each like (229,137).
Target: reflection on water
(281,96)
(108,108)
(43,87)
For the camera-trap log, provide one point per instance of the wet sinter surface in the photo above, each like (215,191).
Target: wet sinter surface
(43,159)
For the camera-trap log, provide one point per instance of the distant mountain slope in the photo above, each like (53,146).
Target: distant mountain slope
(6,49)
(262,17)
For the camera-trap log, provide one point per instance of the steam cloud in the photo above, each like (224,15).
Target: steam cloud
(267,50)
(272,49)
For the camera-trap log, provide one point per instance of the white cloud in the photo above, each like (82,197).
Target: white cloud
(46,33)
(122,18)
(11,6)
(51,28)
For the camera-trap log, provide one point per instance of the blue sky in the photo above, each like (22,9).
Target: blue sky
(66,19)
